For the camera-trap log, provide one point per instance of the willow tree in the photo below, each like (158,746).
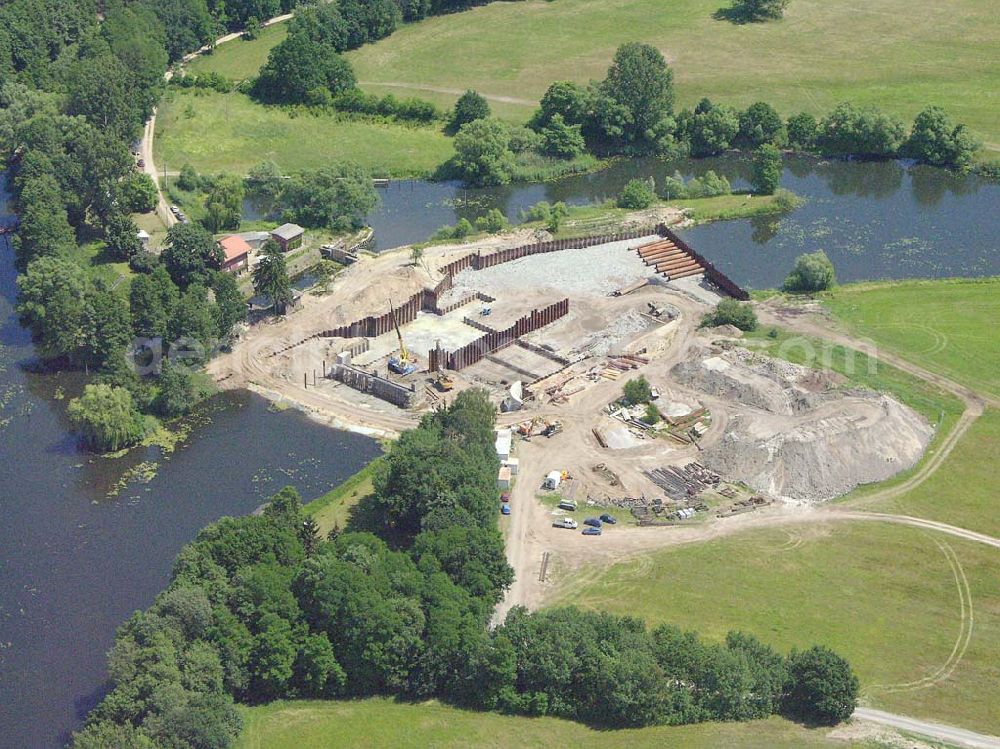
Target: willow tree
(106,418)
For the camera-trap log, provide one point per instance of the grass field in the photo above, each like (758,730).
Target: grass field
(886,597)
(898,54)
(948,327)
(380,723)
(334,507)
(229,132)
(240,59)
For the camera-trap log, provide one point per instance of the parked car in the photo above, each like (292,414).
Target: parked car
(592,531)
(610,519)
(594,522)
(565,523)
(505,509)
(505,497)
(568,505)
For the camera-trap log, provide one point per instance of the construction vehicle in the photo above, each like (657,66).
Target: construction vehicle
(552,429)
(403,363)
(444,382)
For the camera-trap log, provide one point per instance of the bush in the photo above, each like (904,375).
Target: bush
(652,415)
(823,688)
(637,194)
(637,391)
(731,312)
(750,11)
(493,221)
(188,179)
(812,272)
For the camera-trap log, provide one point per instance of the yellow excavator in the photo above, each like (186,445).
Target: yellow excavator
(402,363)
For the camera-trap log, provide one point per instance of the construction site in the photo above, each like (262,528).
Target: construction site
(554,330)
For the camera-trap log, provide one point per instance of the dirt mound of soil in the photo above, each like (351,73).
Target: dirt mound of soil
(801,437)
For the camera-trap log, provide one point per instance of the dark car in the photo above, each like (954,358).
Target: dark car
(609,519)
(592,522)
(592,531)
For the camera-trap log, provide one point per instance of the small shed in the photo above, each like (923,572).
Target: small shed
(143,236)
(289,236)
(553,480)
(513,464)
(503,478)
(236,253)
(503,444)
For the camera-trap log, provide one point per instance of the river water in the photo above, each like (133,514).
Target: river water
(876,220)
(74,561)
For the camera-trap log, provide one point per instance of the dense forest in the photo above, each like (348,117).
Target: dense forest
(78,79)
(261,608)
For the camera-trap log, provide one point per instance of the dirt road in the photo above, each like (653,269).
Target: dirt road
(149,131)
(454,91)
(947,734)
(528,539)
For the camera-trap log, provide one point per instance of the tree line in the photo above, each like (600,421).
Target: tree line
(77,80)
(262,608)
(631,112)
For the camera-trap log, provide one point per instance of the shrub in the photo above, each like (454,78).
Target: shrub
(637,391)
(637,194)
(493,221)
(812,272)
(652,415)
(483,156)
(731,312)
(761,124)
(854,131)
(188,178)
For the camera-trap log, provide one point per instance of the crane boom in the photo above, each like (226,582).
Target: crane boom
(404,356)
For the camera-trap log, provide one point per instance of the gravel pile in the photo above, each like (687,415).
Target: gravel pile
(591,270)
(623,326)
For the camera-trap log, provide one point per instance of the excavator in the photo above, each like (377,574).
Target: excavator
(403,363)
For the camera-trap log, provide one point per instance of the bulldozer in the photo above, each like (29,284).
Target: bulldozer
(444,382)
(403,363)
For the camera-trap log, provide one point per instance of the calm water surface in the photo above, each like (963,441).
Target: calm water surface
(77,556)
(876,220)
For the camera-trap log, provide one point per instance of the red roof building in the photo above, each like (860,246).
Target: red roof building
(236,251)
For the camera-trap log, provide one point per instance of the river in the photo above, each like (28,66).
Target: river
(74,561)
(876,220)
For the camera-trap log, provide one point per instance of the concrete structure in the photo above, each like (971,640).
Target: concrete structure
(289,236)
(503,478)
(503,443)
(236,253)
(366,382)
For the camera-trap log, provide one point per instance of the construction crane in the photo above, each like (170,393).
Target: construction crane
(403,363)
